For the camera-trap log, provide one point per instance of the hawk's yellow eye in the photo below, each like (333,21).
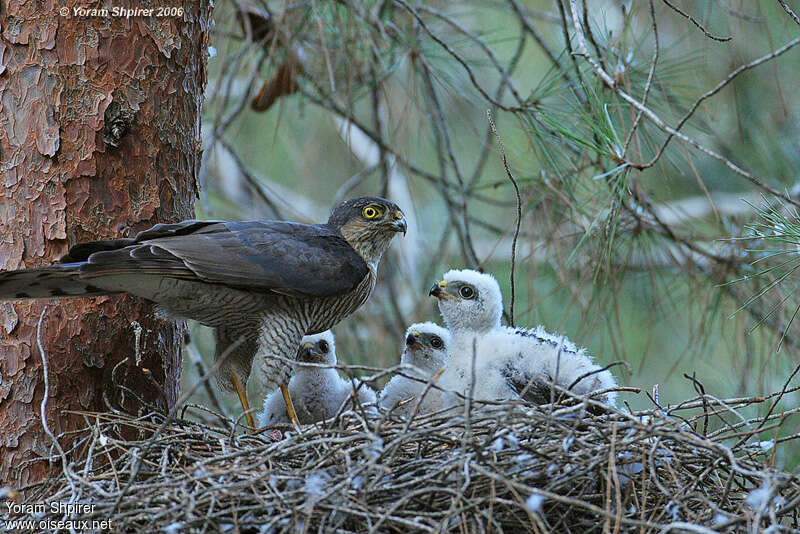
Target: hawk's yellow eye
(371,212)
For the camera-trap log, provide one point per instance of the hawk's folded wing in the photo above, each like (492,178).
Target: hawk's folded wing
(269,256)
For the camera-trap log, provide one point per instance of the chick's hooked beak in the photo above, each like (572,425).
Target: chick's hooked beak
(398,222)
(307,353)
(411,339)
(415,344)
(439,290)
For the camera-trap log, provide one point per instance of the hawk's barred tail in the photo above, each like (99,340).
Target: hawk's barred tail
(62,280)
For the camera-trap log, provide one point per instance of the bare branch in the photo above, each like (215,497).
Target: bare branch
(696,23)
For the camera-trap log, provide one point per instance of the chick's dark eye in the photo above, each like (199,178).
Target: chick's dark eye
(436,342)
(323,346)
(466,292)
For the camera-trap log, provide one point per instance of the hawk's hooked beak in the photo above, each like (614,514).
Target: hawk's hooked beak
(398,223)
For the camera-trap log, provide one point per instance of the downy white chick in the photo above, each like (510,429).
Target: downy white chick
(317,392)
(509,362)
(425,349)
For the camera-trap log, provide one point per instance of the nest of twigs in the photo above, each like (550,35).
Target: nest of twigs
(500,467)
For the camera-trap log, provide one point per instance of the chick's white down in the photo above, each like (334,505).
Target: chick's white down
(317,392)
(425,349)
(507,360)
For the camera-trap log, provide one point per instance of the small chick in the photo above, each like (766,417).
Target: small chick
(509,362)
(425,349)
(317,392)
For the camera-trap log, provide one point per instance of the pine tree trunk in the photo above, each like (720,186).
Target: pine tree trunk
(99,138)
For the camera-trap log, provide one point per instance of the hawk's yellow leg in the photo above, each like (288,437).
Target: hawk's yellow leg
(289,406)
(243,399)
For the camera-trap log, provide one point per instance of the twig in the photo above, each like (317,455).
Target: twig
(648,84)
(336,476)
(170,416)
(43,410)
(519,213)
(674,132)
(197,359)
(696,23)
(789,11)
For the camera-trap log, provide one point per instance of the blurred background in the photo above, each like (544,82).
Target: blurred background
(673,251)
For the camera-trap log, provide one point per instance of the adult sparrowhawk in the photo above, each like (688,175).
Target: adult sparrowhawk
(261,285)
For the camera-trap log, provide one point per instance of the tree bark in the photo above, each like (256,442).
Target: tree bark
(99,138)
